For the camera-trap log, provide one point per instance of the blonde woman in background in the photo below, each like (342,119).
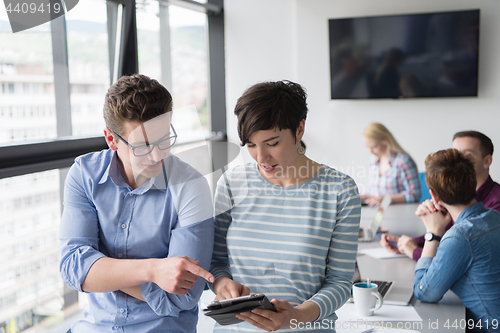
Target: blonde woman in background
(392,170)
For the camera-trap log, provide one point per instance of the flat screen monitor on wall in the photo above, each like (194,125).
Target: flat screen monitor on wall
(404,56)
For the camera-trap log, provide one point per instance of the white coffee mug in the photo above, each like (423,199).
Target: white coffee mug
(365,296)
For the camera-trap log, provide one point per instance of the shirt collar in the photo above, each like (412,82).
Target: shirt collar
(159,182)
(475,209)
(392,156)
(113,172)
(485,189)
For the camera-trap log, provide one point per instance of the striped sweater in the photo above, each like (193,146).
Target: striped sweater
(294,243)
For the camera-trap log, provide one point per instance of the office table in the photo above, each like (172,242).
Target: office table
(400,219)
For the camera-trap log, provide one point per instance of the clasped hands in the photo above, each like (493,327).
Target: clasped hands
(434,215)
(267,320)
(435,218)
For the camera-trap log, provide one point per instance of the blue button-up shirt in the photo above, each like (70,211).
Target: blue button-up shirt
(467,262)
(168,216)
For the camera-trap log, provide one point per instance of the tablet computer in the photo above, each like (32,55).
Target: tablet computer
(224,311)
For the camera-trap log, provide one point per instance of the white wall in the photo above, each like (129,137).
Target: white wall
(288,39)
(260,46)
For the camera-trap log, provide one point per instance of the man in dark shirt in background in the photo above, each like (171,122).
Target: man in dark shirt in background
(480,147)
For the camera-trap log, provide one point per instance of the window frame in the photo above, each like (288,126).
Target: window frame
(23,158)
(59,153)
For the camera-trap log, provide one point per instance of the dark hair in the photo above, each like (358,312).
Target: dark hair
(486,145)
(450,174)
(135,98)
(269,105)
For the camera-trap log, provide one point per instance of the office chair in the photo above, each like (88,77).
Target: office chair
(423,187)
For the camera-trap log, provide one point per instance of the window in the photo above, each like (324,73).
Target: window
(148,39)
(25,62)
(88,61)
(31,111)
(179,52)
(188,31)
(29,247)
(172,46)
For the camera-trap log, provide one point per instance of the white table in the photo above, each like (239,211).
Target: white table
(401,219)
(398,219)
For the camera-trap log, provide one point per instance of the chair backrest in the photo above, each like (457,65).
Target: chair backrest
(423,187)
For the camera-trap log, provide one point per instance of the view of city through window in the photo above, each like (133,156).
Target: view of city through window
(31,290)
(88,63)
(30,285)
(189,64)
(27,103)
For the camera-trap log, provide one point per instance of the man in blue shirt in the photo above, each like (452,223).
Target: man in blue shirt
(465,259)
(137,225)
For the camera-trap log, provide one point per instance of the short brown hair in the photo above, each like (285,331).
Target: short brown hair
(450,174)
(135,98)
(268,105)
(485,145)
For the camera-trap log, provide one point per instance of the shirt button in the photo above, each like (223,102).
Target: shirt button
(124,226)
(122,311)
(421,287)
(116,327)
(120,255)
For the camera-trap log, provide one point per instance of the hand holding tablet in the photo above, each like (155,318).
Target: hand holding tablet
(224,311)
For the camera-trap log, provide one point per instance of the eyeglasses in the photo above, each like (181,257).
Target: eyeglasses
(145,149)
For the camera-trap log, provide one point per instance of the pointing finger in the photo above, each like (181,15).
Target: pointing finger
(197,270)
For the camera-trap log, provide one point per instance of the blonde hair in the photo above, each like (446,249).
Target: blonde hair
(379,132)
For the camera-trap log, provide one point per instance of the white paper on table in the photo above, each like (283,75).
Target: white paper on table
(381,253)
(386,313)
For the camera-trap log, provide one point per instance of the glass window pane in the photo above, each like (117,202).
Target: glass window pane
(188,33)
(189,68)
(88,62)
(148,39)
(27,99)
(30,285)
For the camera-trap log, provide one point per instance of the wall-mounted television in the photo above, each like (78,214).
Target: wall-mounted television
(405,56)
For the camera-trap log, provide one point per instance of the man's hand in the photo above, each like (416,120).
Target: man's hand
(407,245)
(386,238)
(226,288)
(177,275)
